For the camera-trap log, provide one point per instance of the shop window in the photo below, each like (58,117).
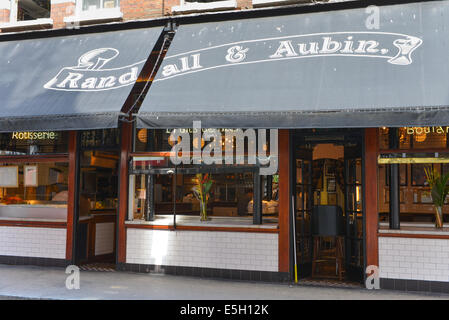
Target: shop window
(414,137)
(416,203)
(33,143)
(159,189)
(34,190)
(100,139)
(24,10)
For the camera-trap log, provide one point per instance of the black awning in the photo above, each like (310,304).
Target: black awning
(314,70)
(72,82)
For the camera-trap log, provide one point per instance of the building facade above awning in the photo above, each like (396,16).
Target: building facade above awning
(70,82)
(381,66)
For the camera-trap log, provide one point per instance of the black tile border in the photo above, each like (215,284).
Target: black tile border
(415,285)
(209,273)
(34,261)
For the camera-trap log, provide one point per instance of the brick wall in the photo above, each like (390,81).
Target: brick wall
(141,9)
(33,242)
(203,249)
(59,11)
(414,259)
(244,4)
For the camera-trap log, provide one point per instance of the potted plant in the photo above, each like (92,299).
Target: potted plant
(438,191)
(201,190)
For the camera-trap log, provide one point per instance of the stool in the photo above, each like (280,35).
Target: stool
(338,255)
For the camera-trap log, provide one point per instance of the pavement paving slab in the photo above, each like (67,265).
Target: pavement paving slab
(30,282)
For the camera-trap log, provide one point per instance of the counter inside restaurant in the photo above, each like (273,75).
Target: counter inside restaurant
(35,212)
(414,228)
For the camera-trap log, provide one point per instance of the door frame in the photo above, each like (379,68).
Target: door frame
(76,207)
(294,135)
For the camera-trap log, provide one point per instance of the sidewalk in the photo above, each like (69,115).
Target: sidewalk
(49,283)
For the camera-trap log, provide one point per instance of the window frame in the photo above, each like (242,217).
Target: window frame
(185,6)
(149,176)
(79,7)
(14,9)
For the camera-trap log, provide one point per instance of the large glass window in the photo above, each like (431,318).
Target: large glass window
(414,150)
(159,189)
(34,190)
(414,137)
(31,184)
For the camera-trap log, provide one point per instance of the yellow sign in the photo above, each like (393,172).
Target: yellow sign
(411,160)
(33,135)
(427,130)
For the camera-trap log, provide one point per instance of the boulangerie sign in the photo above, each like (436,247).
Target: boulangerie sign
(394,48)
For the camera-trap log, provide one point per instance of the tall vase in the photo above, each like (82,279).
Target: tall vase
(203,211)
(439,217)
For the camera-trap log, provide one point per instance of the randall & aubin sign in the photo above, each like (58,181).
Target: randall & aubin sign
(394,48)
(92,74)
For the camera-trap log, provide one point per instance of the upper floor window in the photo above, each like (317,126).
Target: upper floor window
(89,5)
(93,11)
(25,10)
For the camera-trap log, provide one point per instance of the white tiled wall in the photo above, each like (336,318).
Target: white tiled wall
(415,259)
(33,242)
(104,238)
(206,249)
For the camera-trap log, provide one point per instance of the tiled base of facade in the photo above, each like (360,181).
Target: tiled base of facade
(34,261)
(415,285)
(230,274)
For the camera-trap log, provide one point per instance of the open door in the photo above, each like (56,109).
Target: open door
(303,204)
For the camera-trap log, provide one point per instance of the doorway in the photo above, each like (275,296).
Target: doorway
(327,188)
(97,200)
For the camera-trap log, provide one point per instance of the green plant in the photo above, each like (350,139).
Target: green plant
(438,190)
(201,190)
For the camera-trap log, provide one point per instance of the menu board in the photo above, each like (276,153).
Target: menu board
(9,177)
(30,176)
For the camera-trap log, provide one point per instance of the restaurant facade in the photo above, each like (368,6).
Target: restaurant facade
(292,144)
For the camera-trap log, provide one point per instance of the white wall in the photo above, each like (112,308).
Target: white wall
(205,249)
(104,238)
(414,259)
(33,242)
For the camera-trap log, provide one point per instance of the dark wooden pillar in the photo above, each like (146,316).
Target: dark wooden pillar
(394,182)
(125,149)
(371,198)
(71,196)
(284,201)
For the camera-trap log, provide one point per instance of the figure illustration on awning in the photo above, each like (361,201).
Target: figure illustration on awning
(89,74)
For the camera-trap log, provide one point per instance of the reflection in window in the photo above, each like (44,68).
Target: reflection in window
(34,190)
(419,175)
(30,10)
(415,137)
(34,183)
(231,195)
